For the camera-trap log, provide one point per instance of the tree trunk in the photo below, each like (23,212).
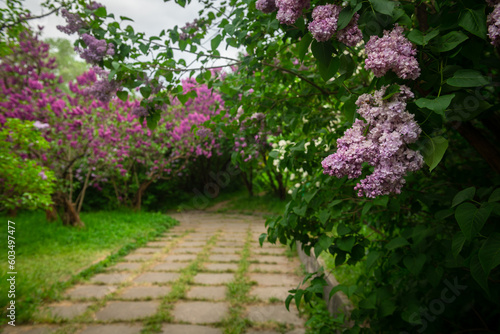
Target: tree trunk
(51,214)
(136,203)
(248,182)
(67,211)
(281,186)
(12,213)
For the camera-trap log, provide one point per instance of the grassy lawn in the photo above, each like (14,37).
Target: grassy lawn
(48,255)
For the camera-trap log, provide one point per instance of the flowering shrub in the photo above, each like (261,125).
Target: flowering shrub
(381,141)
(324,25)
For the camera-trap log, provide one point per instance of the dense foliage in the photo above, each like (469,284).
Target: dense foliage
(354,98)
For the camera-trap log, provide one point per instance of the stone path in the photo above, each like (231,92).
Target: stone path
(207,275)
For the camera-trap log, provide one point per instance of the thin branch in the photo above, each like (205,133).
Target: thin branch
(5,25)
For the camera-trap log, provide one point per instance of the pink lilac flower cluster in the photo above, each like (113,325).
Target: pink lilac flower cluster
(96,49)
(324,25)
(381,141)
(493,22)
(266,6)
(393,52)
(290,10)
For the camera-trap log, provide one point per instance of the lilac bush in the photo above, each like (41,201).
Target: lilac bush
(393,52)
(381,141)
(324,26)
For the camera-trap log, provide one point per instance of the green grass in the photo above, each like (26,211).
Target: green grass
(48,255)
(240,202)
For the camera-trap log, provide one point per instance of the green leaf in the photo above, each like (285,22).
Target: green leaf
(471,219)
(478,273)
(418,37)
(467,78)
(391,90)
(262,238)
(346,244)
(124,18)
(383,6)
(464,195)
(495,196)
(304,46)
(366,208)
(323,216)
(343,229)
(328,72)
(438,104)
(345,16)
(386,307)
(122,95)
(369,303)
(396,243)
(451,40)
(415,263)
(457,243)
(372,258)
(323,243)
(101,12)
(145,91)
(215,42)
(322,51)
(434,150)
(300,211)
(474,21)
(489,254)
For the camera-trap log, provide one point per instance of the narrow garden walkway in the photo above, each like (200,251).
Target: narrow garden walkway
(207,275)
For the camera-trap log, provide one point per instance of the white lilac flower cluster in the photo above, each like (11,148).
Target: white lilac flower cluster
(324,26)
(393,52)
(381,141)
(493,22)
(280,147)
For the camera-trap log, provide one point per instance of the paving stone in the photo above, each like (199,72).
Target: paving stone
(269,259)
(295,331)
(170,266)
(129,266)
(142,292)
(185,250)
(112,329)
(139,257)
(68,311)
(272,251)
(89,291)
(204,292)
(275,280)
(278,313)
(180,257)
(200,312)
(158,244)
(221,266)
(150,277)
(224,250)
(213,278)
(266,293)
(224,258)
(189,329)
(189,244)
(111,278)
(127,310)
(263,332)
(29,329)
(146,250)
(262,267)
(237,244)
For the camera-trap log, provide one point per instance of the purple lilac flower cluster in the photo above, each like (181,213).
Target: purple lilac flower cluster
(102,89)
(290,10)
(381,141)
(190,29)
(493,22)
(393,52)
(266,6)
(73,22)
(96,49)
(324,25)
